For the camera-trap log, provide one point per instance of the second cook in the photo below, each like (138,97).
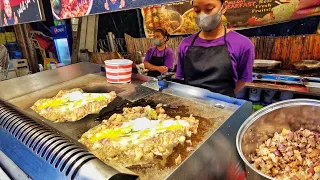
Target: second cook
(160,58)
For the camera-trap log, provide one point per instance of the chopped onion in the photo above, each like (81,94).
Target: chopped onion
(281,147)
(277,153)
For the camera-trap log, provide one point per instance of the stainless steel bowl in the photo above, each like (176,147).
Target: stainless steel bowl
(266,64)
(291,114)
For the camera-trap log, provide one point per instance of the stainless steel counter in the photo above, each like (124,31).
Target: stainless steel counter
(26,84)
(229,112)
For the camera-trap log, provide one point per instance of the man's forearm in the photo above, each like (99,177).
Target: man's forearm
(150,67)
(240,85)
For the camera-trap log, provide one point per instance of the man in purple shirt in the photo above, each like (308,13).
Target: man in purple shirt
(159,59)
(215,58)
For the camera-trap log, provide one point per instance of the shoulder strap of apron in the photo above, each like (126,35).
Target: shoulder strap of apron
(194,39)
(153,51)
(164,52)
(225,36)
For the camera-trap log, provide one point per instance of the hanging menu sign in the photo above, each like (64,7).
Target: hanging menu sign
(19,11)
(250,13)
(63,9)
(178,18)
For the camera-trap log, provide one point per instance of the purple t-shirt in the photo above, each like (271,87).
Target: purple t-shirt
(168,59)
(240,48)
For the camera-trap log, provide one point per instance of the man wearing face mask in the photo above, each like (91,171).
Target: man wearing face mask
(160,58)
(215,58)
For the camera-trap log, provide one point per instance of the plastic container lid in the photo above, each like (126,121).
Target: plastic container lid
(117,62)
(286,95)
(268,95)
(118,70)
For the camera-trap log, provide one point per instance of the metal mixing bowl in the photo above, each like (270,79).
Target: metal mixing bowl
(291,114)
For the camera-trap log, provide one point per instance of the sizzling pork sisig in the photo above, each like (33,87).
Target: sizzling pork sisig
(140,136)
(290,155)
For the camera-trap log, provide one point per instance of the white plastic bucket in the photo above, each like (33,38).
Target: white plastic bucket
(255,94)
(285,95)
(118,70)
(268,96)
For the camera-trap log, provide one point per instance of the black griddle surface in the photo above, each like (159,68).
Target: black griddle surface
(181,107)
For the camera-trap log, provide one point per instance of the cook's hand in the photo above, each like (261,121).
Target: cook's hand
(15,18)
(163,69)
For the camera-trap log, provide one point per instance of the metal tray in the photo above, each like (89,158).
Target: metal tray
(218,148)
(306,65)
(290,114)
(211,117)
(265,64)
(313,87)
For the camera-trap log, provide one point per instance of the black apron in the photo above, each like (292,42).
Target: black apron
(156,61)
(209,68)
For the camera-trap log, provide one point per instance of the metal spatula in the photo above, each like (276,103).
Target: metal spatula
(137,93)
(125,97)
(118,102)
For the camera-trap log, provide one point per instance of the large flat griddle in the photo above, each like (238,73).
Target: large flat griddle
(89,83)
(210,119)
(210,116)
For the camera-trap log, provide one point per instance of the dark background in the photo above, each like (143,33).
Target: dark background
(121,22)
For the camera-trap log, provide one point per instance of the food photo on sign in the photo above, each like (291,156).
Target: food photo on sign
(158,16)
(178,18)
(62,9)
(19,11)
(175,18)
(251,13)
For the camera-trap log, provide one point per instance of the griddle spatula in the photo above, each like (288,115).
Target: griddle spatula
(137,93)
(118,102)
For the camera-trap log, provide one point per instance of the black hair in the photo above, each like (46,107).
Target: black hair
(164,32)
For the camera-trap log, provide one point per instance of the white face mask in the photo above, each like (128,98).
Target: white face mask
(209,22)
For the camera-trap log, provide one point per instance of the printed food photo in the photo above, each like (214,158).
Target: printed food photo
(63,9)
(157,17)
(72,105)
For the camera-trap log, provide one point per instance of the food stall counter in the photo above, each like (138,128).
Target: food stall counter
(298,89)
(55,146)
